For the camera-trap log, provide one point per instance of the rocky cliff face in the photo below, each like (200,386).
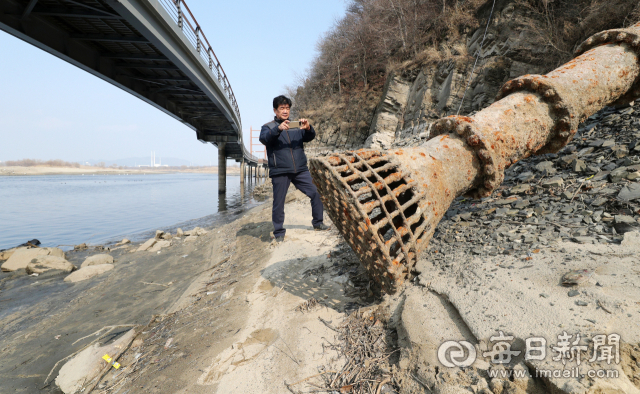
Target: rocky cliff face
(418,93)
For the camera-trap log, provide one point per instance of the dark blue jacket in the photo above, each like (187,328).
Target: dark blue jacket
(285,149)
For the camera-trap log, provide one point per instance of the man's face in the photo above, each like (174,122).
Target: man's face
(282,112)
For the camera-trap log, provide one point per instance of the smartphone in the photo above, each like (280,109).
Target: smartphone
(294,124)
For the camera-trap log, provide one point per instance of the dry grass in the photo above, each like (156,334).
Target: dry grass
(365,347)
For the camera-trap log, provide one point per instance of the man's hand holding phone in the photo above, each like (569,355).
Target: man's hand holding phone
(284,126)
(304,124)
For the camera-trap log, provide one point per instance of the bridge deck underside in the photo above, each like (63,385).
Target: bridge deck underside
(92,35)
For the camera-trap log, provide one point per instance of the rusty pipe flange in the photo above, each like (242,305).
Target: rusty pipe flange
(375,206)
(629,36)
(553,93)
(464,128)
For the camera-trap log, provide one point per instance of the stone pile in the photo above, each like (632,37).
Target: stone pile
(587,193)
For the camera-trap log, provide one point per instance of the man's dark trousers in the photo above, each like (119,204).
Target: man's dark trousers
(302,181)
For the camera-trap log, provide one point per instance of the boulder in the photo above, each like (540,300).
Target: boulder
(147,245)
(97,260)
(631,238)
(159,234)
(86,365)
(123,242)
(196,232)
(21,257)
(80,247)
(167,236)
(159,245)
(42,264)
(88,272)
(191,238)
(179,233)
(5,254)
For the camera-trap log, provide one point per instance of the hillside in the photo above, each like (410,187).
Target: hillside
(389,68)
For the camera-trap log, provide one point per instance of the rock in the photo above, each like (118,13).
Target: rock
(632,176)
(584,240)
(88,272)
(179,233)
(630,192)
(191,238)
(608,143)
(159,234)
(520,189)
(617,175)
(147,245)
(624,219)
(578,165)
(167,236)
(159,245)
(631,238)
(21,257)
(620,151)
(553,182)
(546,168)
(86,365)
(567,160)
(5,254)
(97,260)
(389,112)
(43,264)
(573,293)
(80,247)
(526,176)
(123,242)
(623,228)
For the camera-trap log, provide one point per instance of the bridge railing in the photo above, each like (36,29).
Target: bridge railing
(182,16)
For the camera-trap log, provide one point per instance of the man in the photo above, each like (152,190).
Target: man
(288,164)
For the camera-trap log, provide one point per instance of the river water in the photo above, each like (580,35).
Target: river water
(66,210)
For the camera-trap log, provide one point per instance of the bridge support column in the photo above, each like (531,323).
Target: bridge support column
(242,168)
(222,168)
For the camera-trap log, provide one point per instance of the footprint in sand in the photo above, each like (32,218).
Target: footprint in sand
(237,355)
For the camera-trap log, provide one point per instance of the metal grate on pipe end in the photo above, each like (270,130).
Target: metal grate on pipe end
(375,206)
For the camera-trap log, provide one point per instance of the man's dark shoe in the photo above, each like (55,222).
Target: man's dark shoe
(280,239)
(321,227)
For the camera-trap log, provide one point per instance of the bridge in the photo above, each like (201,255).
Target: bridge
(153,49)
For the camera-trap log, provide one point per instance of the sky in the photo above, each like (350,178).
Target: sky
(50,109)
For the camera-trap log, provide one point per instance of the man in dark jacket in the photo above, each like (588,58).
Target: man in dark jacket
(288,164)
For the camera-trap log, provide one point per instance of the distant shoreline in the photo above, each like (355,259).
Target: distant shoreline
(89,170)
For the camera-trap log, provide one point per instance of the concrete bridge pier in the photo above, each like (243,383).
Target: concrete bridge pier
(222,168)
(242,169)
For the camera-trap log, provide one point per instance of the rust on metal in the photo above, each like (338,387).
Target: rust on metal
(388,204)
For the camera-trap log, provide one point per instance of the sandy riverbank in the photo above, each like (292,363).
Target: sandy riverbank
(90,170)
(234,312)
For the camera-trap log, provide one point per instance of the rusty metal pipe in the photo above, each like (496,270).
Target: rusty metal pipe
(388,204)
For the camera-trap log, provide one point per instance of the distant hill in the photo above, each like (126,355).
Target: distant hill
(136,161)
